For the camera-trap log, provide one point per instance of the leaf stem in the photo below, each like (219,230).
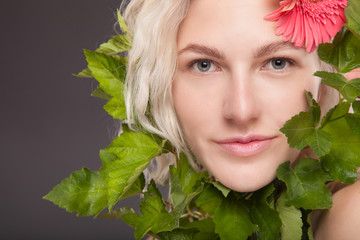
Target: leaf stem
(194,214)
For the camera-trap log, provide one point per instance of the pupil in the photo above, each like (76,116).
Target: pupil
(204,66)
(278,63)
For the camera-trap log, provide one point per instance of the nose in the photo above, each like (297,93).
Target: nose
(242,102)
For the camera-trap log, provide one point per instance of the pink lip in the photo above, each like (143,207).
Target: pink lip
(245,146)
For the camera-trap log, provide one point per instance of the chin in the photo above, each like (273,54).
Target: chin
(249,173)
(241,184)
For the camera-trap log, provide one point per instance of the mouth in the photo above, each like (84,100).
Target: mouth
(245,146)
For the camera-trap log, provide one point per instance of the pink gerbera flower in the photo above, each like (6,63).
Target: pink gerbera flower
(309,22)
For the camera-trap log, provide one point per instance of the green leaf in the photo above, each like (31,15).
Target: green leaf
(84,191)
(352,13)
(134,145)
(107,157)
(225,191)
(122,24)
(306,184)
(306,216)
(183,181)
(337,112)
(152,203)
(134,151)
(117,44)
(232,220)
(98,92)
(109,71)
(264,215)
(320,142)
(155,217)
(356,107)
(290,216)
(301,131)
(340,161)
(349,89)
(85,73)
(354,122)
(310,233)
(206,229)
(135,188)
(343,157)
(343,52)
(116,108)
(178,234)
(176,194)
(184,186)
(209,199)
(187,175)
(127,214)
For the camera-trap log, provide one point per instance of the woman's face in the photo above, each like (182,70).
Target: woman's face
(237,83)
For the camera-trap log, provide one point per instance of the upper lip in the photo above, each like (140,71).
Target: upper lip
(245,139)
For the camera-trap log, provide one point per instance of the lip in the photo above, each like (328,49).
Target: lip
(245,146)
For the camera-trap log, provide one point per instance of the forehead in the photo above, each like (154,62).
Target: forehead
(228,22)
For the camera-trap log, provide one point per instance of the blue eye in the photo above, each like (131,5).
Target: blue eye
(279,63)
(203,65)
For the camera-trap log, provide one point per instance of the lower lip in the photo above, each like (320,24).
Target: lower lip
(245,149)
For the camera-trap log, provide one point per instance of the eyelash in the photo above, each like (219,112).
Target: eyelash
(289,62)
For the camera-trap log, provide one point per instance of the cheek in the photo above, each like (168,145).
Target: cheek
(291,99)
(287,105)
(186,103)
(197,108)
(195,102)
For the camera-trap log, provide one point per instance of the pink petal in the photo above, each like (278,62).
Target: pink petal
(290,26)
(325,36)
(309,37)
(315,34)
(297,27)
(283,23)
(298,38)
(274,16)
(288,4)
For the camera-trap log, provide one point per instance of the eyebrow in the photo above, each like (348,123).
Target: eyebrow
(202,49)
(262,51)
(271,48)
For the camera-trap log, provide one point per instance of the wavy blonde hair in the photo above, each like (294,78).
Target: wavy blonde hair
(152,66)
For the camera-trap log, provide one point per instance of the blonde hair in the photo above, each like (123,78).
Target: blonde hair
(152,66)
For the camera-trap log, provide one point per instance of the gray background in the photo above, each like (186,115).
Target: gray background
(50,125)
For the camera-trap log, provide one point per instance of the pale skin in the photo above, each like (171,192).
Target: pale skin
(342,221)
(236,85)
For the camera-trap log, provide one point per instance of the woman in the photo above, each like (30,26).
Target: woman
(219,81)
(221,84)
